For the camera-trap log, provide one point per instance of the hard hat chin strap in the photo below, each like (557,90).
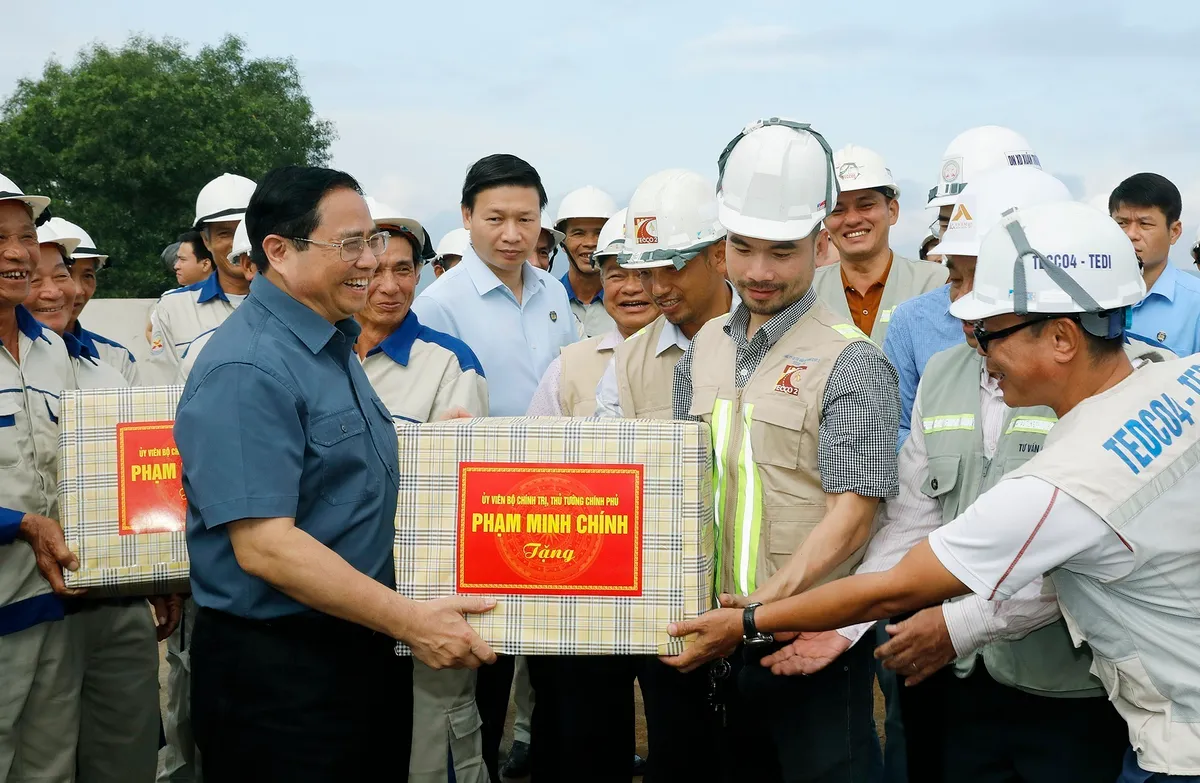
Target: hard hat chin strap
(831,185)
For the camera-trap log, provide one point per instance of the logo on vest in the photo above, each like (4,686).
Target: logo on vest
(789,381)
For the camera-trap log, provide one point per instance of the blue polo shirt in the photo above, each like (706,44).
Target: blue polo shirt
(278,419)
(514,341)
(1170,313)
(573,297)
(919,328)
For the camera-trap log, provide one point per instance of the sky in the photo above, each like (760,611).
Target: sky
(606,93)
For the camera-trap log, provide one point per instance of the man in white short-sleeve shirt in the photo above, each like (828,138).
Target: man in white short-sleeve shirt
(1106,509)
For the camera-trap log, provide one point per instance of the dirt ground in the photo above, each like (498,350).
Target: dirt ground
(504,747)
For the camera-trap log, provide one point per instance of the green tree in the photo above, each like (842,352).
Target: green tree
(123,140)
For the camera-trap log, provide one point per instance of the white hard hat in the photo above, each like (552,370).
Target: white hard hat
(47,235)
(10,192)
(86,247)
(671,218)
(556,236)
(987,198)
(1055,258)
(241,241)
(455,243)
(386,217)
(586,202)
(776,182)
(612,238)
(859,168)
(224,199)
(975,151)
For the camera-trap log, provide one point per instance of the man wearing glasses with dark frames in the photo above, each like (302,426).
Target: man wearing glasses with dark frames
(290,467)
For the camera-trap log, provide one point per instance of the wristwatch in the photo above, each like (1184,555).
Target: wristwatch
(750,633)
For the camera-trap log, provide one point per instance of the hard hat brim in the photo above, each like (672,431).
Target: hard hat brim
(970,307)
(37,203)
(555,234)
(769,230)
(941,201)
(955,248)
(888,186)
(224,216)
(66,244)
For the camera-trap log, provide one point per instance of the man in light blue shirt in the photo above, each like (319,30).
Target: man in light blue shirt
(920,327)
(1147,206)
(515,317)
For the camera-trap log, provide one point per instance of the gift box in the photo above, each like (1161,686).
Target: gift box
(120,491)
(593,534)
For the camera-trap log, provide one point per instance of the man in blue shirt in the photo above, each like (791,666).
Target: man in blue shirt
(290,469)
(515,318)
(1147,206)
(920,327)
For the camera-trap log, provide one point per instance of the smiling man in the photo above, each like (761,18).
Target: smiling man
(290,469)
(803,410)
(581,216)
(870,279)
(1147,208)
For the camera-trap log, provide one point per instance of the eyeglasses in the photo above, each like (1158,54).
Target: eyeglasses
(352,249)
(984,337)
(935,228)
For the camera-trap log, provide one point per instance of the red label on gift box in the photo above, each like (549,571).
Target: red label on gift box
(549,529)
(150,481)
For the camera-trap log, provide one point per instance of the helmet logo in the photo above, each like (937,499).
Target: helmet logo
(848,171)
(645,230)
(951,169)
(961,214)
(1022,159)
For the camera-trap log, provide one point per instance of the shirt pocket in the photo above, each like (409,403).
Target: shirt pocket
(349,469)
(704,399)
(941,477)
(10,442)
(776,432)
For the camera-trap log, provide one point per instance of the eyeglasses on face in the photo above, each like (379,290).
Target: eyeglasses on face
(985,338)
(351,249)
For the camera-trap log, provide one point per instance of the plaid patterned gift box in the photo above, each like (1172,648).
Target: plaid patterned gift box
(594,534)
(120,493)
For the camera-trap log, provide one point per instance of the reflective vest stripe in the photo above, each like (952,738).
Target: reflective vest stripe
(721,424)
(749,518)
(1038,425)
(946,423)
(850,332)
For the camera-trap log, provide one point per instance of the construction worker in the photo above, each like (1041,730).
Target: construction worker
(239,252)
(193,262)
(924,253)
(182,321)
(923,326)
(84,264)
(870,280)
(39,715)
(184,318)
(674,240)
(547,245)
(115,640)
(581,215)
(450,250)
(1106,507)
(803,410)
(965,439)
(1147,208)
(423,375)
(585,703)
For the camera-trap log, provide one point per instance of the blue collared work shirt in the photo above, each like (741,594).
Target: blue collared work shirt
(1170,313)
(278,419)
(515,341)
(919,328)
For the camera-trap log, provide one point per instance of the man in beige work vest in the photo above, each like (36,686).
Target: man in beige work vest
(423,375)
(870,280)
(674,240)
(803,410)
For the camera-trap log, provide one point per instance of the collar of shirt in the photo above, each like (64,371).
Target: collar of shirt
(313,330)
(398,345)
(485,279)
(672,336)
(210,288)
(880,283)
(30,326)
(989,385)
(610,340)
(566,281)
(77,348)
(776,327)
(1164,286)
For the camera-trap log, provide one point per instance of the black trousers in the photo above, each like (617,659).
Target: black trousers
(583,717)
(299,699)
(923,710)
(493,687)
(998,734)
(680,732)
(800,729)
